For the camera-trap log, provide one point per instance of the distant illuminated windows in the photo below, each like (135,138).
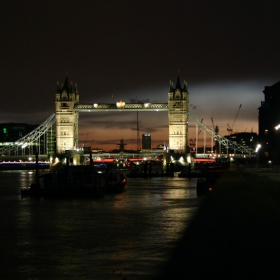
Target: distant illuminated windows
(64,120)
(5,130)
(178,104)
(64,105)
(64,95)
(64,132)
(64,145)
(266,132)
(177,94)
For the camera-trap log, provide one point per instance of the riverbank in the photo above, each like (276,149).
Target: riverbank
(23,165)
(235,233)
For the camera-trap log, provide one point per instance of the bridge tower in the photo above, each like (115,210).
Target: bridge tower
(67,97)
(178,109)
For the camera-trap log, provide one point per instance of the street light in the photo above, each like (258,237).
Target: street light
(277,126)
(120,104)
(277,146)
(257,149)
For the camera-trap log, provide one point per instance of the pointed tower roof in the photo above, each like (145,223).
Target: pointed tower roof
(185,89)
(178,84)
(66,85)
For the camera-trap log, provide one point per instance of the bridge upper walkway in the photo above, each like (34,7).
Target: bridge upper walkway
(121,106)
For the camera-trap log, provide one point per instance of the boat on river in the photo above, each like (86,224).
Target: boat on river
(77,182)
(81,192)
(115,187)
(23,165)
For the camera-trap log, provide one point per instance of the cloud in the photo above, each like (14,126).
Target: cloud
(221,101)
(193,106)
(141,101)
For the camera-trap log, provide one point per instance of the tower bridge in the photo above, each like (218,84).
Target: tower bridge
(68,107)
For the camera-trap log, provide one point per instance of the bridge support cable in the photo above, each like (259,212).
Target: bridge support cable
(31,137)
(221,139)
(204,144)
(196,138)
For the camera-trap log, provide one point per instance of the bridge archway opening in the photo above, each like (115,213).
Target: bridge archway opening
(95,129)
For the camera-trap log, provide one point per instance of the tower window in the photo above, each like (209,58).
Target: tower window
(64,105)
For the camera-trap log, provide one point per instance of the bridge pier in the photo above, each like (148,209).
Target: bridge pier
(174,162)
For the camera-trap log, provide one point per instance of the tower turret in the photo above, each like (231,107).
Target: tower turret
(178,109)
(66,118)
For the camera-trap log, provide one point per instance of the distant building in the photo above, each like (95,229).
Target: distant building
(121,145)
(97,151)
(161,146)
(269,118)
(11,132)
(146,141)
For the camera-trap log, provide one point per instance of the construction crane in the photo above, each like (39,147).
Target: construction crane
(215,128)
(199,128)
(215,146)
(213,123)
(230,128)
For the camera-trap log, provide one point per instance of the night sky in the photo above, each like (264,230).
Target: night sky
(227,51)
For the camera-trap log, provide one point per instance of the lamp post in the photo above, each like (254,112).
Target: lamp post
(277,147)
(257,155)
(120,104)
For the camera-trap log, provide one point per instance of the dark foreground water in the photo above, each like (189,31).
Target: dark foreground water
(125,236)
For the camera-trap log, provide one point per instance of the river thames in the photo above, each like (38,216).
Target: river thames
(125,236)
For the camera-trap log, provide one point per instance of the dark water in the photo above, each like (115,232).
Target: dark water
(125,236)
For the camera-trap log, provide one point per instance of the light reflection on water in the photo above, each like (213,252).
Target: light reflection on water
(127,235)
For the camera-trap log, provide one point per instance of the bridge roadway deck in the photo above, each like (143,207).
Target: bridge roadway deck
(235,233)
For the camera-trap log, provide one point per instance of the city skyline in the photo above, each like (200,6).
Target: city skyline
(104,127)
(227,52)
